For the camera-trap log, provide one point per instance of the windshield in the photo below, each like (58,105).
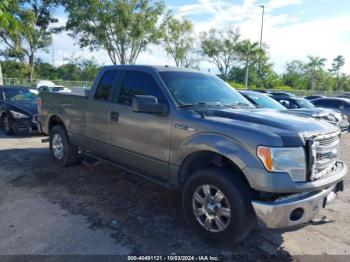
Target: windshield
(265,101)
(57,89)
(303,103)
(19,95)
(191,88)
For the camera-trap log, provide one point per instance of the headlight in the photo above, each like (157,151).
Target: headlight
(284,159)
(17,115)
(332,118)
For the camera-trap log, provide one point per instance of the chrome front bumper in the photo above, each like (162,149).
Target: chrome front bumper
(293,210)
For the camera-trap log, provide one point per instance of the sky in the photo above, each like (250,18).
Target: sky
(293,29)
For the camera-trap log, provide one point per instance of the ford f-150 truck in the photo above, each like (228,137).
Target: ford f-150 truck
(236,165)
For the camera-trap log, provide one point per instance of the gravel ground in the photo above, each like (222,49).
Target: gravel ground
(49,210)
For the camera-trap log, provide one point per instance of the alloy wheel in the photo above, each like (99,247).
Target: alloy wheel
(211,208)
(57,146)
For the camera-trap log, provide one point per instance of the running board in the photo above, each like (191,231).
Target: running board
(45,140)
(102,160)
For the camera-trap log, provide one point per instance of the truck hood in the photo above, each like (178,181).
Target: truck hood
(266,120)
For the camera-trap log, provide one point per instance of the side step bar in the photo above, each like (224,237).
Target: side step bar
(102,160)
(45,140)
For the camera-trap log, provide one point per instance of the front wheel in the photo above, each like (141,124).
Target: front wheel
(6,125)
(63,152)
(217,205)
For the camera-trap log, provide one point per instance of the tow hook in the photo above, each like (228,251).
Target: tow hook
(320,221)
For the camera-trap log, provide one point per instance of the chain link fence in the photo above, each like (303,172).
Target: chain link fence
(68,84)
(313,92)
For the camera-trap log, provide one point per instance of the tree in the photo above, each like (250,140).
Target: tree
(249,54)
(124,28)
(315,63)
(219,48)
(15,69)
(89,69)
(296,75)
(33,32)
(261,73)
(177,39)
(337,64)
(7,22)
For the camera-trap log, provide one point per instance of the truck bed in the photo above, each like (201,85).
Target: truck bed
(70,108)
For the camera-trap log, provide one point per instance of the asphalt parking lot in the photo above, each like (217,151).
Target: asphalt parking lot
(46,209)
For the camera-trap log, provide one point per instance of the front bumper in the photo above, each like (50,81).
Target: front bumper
(295,209)
(24,126)
(263,181)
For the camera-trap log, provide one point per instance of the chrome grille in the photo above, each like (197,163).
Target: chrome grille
(327,141)
(325,152)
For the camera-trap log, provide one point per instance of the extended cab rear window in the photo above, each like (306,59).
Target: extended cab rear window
(105,86)
(138,83)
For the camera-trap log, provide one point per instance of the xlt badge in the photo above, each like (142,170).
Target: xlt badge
(184,127)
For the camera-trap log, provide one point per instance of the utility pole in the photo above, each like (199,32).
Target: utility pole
(262,23)
(52,55)
(261,37)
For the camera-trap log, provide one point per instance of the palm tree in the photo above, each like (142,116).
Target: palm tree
(249,53)
(315,63)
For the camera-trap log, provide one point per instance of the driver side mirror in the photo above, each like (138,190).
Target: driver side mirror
(148,104)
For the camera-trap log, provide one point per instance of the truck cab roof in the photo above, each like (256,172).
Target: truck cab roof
(149,67)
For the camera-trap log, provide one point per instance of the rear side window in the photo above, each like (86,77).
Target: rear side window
(334,103)
(320,102)
(44,89)
(138,83)
(286,103)
(104,88)
(328,103)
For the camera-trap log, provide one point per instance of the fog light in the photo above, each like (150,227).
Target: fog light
(296,214)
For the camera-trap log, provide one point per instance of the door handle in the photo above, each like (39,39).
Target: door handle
(114,116)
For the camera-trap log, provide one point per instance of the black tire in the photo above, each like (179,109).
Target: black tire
(237,193)
(70,153)
(6,126)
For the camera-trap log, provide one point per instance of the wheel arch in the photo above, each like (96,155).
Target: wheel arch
(205,149)
(206,159)
(55,120)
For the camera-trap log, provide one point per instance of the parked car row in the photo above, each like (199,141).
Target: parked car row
(18,110)
(334,110)
(19,106)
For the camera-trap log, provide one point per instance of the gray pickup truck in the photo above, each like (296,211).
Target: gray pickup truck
(237,166)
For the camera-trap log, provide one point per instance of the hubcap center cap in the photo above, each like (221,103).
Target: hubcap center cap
(212,208)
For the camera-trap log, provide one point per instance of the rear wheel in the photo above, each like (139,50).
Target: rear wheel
(63,152)
(217,205)
(6,125)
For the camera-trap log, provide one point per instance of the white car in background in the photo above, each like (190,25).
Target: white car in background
(49,86)
(34,91)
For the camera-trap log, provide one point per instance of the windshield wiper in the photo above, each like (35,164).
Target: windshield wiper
(239,105)
(199,104)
